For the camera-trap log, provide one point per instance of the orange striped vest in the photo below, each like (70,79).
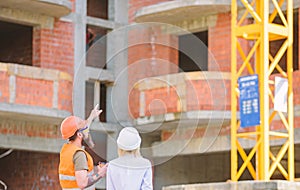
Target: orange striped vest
(66,166)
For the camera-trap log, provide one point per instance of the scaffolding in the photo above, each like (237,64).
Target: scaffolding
(260,32)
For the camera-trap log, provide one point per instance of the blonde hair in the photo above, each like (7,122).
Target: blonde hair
(135,152)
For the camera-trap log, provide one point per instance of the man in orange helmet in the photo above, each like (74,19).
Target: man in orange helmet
(76,167)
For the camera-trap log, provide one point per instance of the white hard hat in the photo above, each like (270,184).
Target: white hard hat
(129,139)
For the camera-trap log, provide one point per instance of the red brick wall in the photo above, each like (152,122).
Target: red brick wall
(193,133)
(143,64)
(200,95)
(208,95)
(4,87)
(37,92)
(51,48)
(219,44)
(30,170)
(36,46)
(34,92)
(134,102)
(65,95)
(161,100)
(54,48)
(148,60)
(29,129)
(296,87)
(73,5)
(223,131)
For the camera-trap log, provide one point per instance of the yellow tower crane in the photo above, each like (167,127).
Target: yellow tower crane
(259,30)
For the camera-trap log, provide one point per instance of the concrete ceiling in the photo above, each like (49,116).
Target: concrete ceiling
(177,11)
(55,8)
(180,10)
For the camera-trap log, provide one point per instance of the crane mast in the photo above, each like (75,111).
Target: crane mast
(253,24)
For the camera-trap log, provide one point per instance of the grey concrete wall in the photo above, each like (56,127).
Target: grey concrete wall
(203,169)
(199,168)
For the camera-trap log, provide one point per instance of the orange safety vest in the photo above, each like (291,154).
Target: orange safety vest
(66,169)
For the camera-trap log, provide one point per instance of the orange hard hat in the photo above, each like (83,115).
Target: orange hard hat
(70,125)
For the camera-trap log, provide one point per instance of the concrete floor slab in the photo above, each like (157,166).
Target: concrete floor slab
(244,185)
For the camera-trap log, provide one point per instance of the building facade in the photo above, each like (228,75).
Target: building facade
(160,65)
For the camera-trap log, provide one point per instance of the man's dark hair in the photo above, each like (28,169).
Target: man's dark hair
(72,138)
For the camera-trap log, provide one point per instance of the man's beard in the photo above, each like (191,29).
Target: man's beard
(88,142)
(83,143)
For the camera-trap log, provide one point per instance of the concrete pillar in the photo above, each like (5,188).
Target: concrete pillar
(79,53)
(111,9)
(117,94)
(117,63)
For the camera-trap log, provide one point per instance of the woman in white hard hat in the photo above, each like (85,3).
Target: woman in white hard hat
(130,171)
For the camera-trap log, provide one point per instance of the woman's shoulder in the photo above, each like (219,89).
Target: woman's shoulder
(145,161)
(138,162)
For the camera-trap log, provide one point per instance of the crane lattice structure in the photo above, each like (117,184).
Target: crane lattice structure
(262,30)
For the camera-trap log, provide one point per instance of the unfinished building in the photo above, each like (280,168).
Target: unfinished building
(149,75)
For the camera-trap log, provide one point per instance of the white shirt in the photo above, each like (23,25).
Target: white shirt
(129,173)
